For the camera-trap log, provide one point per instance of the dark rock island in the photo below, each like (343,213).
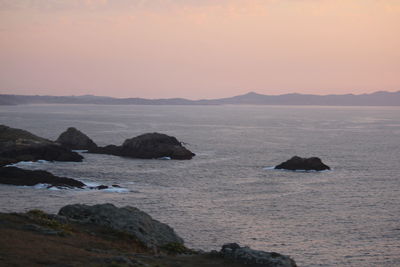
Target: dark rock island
(17,176)
(20,177)
(19,145)
(76,140)
(307,164)
(148,146)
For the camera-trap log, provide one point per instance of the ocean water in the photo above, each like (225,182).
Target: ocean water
(349,216)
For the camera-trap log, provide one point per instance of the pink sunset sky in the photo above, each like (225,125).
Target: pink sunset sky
(198,48)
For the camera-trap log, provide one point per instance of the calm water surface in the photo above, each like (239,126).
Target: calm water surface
(348,216)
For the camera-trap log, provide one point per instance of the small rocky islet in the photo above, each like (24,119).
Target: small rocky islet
(148,146)
(19,145)
(145,146)
(297,163)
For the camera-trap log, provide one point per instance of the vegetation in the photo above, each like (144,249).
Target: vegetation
(43,219)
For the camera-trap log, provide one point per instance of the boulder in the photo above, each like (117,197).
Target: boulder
(298,163)
(150,232)
(17,176)
(155,145)
(72,138)
(148,146)
(19,145)
(255,258)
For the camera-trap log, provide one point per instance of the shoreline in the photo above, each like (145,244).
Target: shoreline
(36,238)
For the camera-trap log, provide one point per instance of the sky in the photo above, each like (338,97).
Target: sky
(198,48)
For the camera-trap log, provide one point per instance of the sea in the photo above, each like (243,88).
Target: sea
(229,192)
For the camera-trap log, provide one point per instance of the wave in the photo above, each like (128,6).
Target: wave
(27,163)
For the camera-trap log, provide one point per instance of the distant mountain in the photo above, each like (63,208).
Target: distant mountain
(374,99)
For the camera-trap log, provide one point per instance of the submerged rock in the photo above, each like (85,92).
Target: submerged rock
(17,176)
(72,138)
(152,233)
(255,258)
(20,145)
(298,163)
(148,146)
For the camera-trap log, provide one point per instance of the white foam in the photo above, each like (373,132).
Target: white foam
(55,188)
(109,189)
(269,168)
(41,186)
(49,187)
(28,163)
(165,158)
(116,190)
(80,151)
(91,184)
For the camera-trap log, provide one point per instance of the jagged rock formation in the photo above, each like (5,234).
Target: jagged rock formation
(150,232)
(148,146)
(20,145)
(298,163)
(72,138)
(255,258)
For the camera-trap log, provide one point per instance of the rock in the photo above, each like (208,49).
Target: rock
(118,260)
(17,176)
(42,230)
(150,232)
(155,145)
(75,139)
(255,258)
(99,187)
(148,146)
(19,145)
(298,163)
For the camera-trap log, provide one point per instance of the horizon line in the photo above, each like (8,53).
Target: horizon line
(248,93)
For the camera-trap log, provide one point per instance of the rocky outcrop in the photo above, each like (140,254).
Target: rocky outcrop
(148,146)
(48,239)
(19,145)
(17,176)
(72,138)
(298,163)
(255,258)
(150,232)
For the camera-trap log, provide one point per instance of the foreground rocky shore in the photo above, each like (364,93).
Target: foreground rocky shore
(104,235)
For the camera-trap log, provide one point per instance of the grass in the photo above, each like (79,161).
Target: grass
(42,218)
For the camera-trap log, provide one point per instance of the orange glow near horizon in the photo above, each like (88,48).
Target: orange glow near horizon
(198,49)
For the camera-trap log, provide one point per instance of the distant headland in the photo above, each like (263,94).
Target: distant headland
(381,98)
